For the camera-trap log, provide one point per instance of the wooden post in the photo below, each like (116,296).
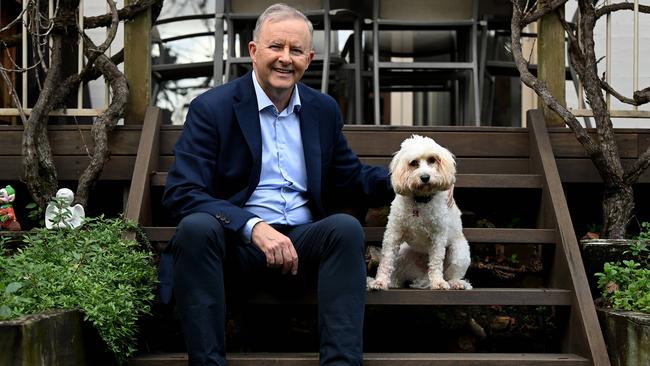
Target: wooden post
(137,65)
(551,56)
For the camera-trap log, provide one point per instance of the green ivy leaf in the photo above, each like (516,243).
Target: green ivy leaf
(13,287)
(5,312)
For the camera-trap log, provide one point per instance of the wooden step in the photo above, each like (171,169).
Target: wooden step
(499,181)
(381,359)
(462,180)
(486,235)
(375,234)
(477,296)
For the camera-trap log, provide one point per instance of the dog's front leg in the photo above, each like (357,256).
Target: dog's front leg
(389,248)
(436,265)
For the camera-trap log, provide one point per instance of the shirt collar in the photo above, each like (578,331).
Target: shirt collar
(263,100)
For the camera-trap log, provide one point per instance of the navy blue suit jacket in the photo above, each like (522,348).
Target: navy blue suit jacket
(218,156)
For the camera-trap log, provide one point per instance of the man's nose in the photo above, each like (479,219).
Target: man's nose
(285,55)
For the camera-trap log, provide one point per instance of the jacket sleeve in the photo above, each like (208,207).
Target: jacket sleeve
(190,181)
(363,184)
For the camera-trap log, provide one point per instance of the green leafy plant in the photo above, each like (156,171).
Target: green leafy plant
(626,284)
(95,269)
(35,213)
(62,213)
(644,233)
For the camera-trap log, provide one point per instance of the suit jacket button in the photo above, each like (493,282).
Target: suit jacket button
(227,221)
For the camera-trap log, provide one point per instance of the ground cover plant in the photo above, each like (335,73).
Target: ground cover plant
(96,269)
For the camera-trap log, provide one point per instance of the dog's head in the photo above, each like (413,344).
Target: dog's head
(422,167)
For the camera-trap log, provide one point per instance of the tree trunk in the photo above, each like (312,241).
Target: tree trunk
(618,207)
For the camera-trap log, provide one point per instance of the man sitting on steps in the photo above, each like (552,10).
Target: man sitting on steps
(255,159)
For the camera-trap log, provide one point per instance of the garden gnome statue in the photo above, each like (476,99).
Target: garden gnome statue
(7,215)
(59,213)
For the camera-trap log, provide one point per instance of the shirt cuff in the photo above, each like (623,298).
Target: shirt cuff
(247,230)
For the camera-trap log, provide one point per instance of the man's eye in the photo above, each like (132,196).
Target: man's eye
(296,51)
(275,47)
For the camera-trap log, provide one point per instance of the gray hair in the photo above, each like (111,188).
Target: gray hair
(281,11)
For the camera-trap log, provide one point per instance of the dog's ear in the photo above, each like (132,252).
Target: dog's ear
(399,174)
(447,168)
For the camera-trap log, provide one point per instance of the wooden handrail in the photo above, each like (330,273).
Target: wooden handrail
(584,336)
(138,207)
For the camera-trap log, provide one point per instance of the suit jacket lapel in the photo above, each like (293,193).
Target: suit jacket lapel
(309,130)
(249,121)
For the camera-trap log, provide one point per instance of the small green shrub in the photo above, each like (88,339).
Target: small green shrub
(93,268)
(625,284)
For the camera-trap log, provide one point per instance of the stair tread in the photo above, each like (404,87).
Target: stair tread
(498,181)
(515,359)
(477,296)
(463,180)
(473,235)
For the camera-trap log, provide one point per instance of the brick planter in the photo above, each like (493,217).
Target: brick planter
(52,338)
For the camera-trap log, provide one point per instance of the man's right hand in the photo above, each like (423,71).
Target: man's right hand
(277,248)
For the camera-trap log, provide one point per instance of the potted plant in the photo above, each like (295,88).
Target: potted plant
(96,270)
(625,316)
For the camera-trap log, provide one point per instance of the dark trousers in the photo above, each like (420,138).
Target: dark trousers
(330,252)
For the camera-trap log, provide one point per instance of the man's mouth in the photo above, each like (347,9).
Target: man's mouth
(283,71)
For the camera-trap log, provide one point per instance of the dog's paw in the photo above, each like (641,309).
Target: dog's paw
(440,285)
(460,285)
(374,284)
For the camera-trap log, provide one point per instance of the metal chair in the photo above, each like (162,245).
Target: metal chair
(425,16)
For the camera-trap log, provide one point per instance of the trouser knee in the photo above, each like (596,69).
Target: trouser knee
(197,234)
(346,233)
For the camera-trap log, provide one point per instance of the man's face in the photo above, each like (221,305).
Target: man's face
(281,54)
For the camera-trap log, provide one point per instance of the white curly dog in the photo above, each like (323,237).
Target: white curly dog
(423,242)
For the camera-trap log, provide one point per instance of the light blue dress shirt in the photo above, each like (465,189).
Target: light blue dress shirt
(280,196)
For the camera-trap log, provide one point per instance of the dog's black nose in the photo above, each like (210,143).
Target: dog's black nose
(424,178)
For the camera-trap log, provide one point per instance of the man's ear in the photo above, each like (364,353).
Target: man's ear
(252,49)
(312,53)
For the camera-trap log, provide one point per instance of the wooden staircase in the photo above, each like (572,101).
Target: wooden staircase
(488,159)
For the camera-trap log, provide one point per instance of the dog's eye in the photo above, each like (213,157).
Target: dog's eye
(431,160)
(414,163)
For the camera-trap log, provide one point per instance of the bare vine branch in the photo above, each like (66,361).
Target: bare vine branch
(543,9)
(103,124)
(94,52)
(608,88)
(39,172)
(618,200)
(539,86)
(15,98)
(608,9)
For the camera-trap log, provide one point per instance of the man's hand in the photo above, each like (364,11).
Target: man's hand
(278,248)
